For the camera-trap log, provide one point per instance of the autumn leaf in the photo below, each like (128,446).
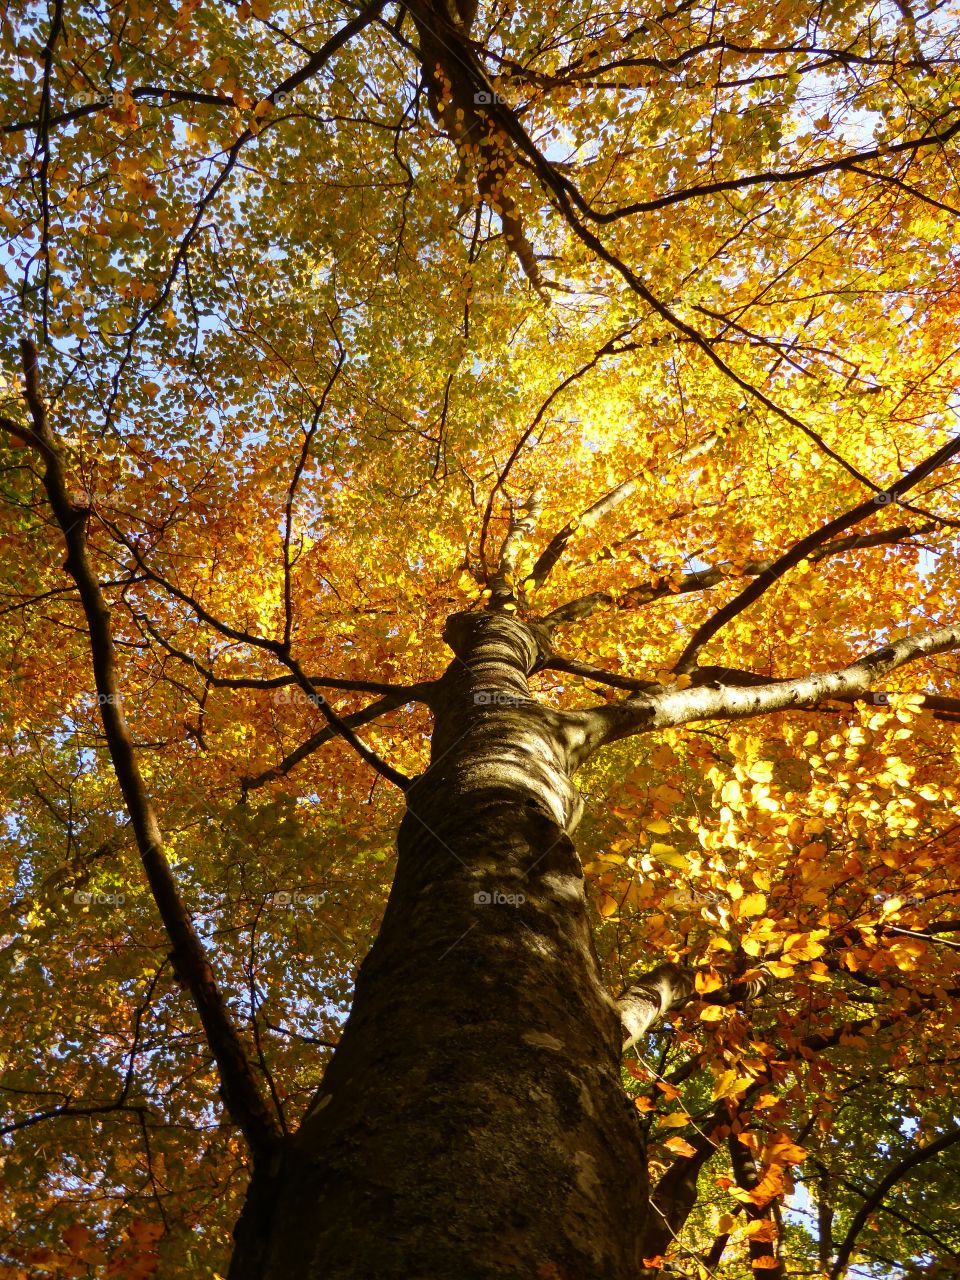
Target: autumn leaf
(752,904)
(680,1147)
(729,1084)
(676,1120)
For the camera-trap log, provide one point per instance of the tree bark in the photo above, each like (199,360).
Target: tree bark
(471,1121)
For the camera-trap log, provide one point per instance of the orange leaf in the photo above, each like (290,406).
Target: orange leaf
(680,1147)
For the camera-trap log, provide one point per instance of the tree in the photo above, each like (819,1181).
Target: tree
(496,430)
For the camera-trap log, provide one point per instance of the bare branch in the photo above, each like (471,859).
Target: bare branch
(589,672)
(292,492)
(763,1257)
(773,177)
(418,692)
(673,1199)
(648,1000)
(523,523)
(652,997)
(280,651)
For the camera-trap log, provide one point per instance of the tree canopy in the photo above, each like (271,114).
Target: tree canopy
(642,322)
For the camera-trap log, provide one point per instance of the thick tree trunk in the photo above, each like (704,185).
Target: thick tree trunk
(471,1122)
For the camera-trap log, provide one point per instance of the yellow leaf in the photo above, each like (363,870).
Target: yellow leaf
(676,1120)
(729,1084)
(658,827)
(712,1013)
(667,854)
(662,757)
(667,1089)
(725,1224)
(668,795)
(738,1193)
(730,792)
(608,906)
(753,904)
(783,1150)
(761,1229)
(762,771)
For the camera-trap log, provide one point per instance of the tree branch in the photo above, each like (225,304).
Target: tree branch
(875,1199)
(649,1000)
(802,549)
(608,348)
(327,734)
(669,707)
(418,692)
(567,199)
(280,650)
(747,1176)
(244,1099)
(594,514)
(703,579)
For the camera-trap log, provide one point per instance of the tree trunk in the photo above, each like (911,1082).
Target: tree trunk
(471,1122)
